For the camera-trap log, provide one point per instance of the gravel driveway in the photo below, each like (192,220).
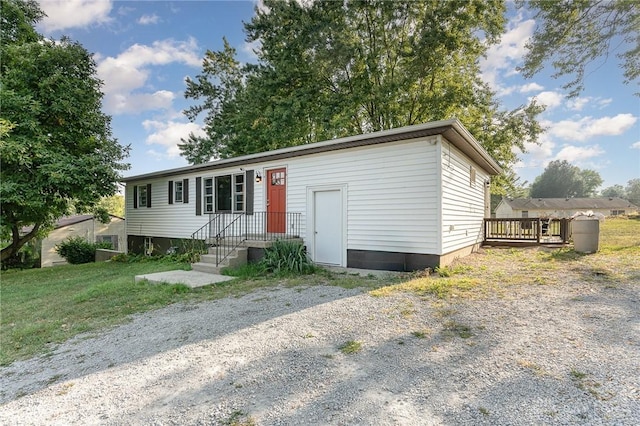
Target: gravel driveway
(561,354)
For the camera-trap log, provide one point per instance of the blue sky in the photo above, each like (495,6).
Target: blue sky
(145,50)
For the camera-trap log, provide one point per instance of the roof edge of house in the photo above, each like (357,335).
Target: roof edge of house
(461,138)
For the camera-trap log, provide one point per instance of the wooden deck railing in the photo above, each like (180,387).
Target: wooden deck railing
(532,230)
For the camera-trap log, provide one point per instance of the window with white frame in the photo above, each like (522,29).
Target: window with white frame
(177,189)
(208,195)
(142,196)
(238,193)
(525,213)
(230,192)
(226,193)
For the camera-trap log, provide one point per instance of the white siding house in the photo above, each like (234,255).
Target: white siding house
(402,199)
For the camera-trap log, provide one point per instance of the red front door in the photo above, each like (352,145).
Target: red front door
(276,200)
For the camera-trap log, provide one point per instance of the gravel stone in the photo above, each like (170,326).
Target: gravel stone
(560,354)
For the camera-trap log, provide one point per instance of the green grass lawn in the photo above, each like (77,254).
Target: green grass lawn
(50,305)
(40,307)
(46,306)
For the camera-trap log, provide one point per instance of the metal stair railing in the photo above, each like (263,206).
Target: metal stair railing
(229,239)
(227,231)
(204,237)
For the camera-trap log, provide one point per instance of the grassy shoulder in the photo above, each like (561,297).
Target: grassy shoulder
(41,307)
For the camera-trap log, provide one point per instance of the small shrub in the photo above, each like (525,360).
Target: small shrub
(120,257)
(77,250)
(287,257)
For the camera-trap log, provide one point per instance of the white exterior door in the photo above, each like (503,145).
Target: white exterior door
(328,227)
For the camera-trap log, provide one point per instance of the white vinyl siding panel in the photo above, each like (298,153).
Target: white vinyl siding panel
(390,193)
(166,220)
(462,201)
(391,196)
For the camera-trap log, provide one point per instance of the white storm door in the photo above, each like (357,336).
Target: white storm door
(327,227)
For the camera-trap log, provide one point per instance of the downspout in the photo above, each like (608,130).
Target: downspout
(487,198)
(440,194)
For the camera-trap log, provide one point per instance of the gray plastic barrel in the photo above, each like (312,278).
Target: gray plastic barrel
(586,234)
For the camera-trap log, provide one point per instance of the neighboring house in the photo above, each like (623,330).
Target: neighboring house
(562,207)
(85,226)
(401,199)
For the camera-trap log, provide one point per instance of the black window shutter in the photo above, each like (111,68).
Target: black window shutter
(185,191)
(198,196)
(170,192)
(248,196)
(148,195)
(135,197)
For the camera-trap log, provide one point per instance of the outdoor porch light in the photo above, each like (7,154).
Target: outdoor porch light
(258,177)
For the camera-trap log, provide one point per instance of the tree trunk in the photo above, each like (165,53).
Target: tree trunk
(17,242)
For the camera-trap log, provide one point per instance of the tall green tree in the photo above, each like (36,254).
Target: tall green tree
(614,191)
(332,69)
(633,191)
(113,204)
(561,179)
(57,153)
(570,35)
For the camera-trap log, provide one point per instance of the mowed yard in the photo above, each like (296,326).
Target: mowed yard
(43,307)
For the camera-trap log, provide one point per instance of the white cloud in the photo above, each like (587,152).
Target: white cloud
(636,145)
(63,14)
(130,70)
(149,19)
(577,155)
(548,98)
(602,103)
(168,134)
(124,10)
(538,155)
(530,87)
(504,57)
(588,127)
(134,103)
(578,103)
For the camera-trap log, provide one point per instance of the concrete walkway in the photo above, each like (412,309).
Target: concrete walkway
(191,279)
(195,279)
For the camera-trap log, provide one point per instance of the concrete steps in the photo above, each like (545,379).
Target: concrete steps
(237,257)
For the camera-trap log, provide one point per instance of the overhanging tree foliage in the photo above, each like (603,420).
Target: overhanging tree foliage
(560,179)
(573,34)
(56,148)
(332,69)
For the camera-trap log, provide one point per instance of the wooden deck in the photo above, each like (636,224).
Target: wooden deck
(526,231)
